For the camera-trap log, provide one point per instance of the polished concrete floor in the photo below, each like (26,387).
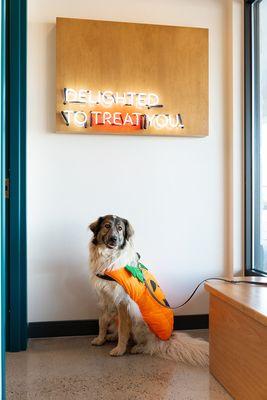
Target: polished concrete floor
(71,369)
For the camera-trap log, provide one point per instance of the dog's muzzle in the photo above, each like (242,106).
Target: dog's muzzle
(112,242)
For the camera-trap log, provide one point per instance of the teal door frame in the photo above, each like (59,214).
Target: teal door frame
(2,198)
(13,257)
(16,160)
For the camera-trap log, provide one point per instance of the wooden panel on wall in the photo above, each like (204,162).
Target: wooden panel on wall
(153,79)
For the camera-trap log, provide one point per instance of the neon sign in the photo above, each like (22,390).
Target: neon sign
(113,109)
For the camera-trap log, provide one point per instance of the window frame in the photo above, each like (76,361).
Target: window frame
(252,143)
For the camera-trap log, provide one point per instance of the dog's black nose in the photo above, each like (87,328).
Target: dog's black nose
(113,239)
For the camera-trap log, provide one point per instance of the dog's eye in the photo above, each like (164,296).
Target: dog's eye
(107,226)
(119,228)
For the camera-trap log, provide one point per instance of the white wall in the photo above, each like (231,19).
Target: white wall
(177,192)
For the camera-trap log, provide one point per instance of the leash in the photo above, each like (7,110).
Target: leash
(198,286)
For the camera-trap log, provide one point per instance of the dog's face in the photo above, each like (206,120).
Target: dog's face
(112,231)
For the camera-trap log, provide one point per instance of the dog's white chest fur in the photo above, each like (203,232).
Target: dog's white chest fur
(104,259)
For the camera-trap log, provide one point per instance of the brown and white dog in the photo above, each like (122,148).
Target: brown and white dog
(111,248)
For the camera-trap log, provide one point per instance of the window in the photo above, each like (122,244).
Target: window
(256,136)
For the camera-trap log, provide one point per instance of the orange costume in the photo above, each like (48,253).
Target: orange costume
(135,280)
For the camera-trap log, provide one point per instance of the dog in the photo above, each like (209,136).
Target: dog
(111,248)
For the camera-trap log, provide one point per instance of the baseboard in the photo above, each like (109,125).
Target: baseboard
(90,327)
(184,322)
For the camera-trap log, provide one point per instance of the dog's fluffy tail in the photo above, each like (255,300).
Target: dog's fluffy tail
(181,347)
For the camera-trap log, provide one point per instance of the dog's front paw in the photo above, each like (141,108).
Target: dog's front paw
(98,341)
(117,351)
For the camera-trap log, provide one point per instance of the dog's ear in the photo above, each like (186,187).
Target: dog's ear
(95,226)
(129,231)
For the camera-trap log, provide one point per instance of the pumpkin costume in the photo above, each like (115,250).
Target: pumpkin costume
(135,280)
